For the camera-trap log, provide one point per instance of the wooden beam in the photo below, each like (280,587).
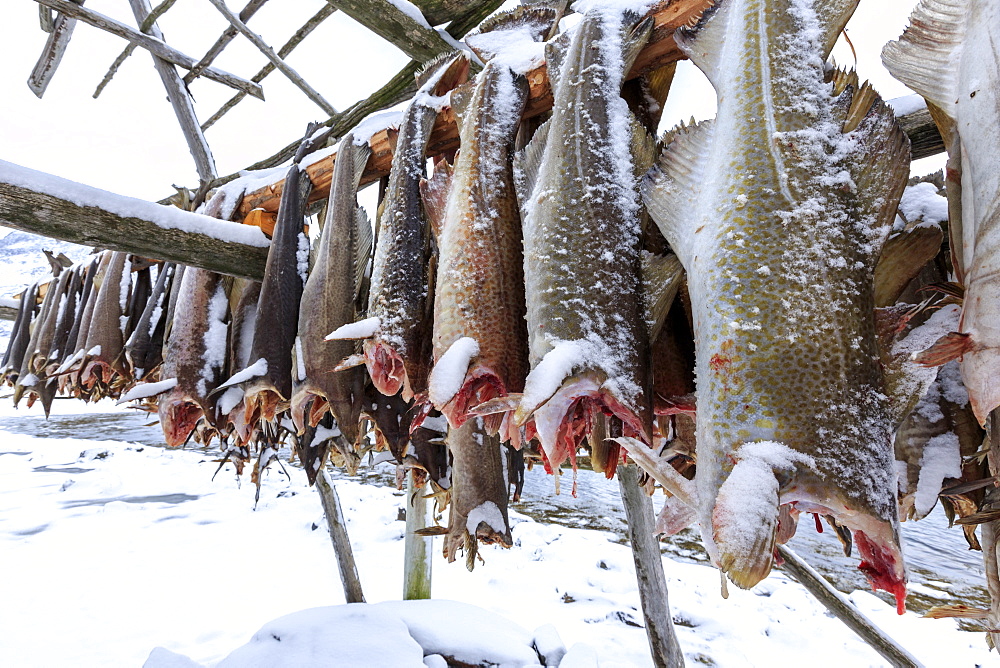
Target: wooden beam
(8,308)
(269,53)
(151,44)
(144,27)
(180,100)
(411,35)
(61,209)
(227,36)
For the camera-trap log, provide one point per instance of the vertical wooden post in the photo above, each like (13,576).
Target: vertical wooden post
(663,643)
(338,535)
(416,548)
(990,531)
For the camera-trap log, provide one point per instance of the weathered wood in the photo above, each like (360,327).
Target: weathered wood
(227,36)
(269,53)
(411,36)
(416,548)
(57,218)
(441,11)
(845,611)
(990,532)
(180,100)
(9,308)
(925,140)
(663,644)
(293,41)
(337,524)
(55,47)
(151,44)
(144,27)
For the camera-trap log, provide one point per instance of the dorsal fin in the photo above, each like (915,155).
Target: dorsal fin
(703,38)
(527,161)
(634,42)
(443,73)
(926,55)
(833,16)
(661,279)
(461,97)
(360,154)
(434,192)
(668,189)
(362,251)
(537,20)
(902,258)
(644,147)
(555,54)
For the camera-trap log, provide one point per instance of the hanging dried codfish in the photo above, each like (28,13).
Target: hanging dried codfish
(948,54)
(104,370)
(144,348)
(329,300)
(397,332)
(588,338)
(20,336)
(778,210)
(480,339)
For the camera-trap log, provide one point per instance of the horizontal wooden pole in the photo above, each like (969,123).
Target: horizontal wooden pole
(8,308)
(61,209)
(155,46)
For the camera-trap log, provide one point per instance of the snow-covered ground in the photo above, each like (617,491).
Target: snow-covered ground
(112,548)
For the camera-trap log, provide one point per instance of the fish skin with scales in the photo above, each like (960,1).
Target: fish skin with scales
(778,210)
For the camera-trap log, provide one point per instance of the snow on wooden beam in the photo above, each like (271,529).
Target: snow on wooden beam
(661,50)
(151,44)
(9,308)
(54,207)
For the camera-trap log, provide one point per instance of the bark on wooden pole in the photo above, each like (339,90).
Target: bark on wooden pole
(337,524)
(413,37)
(181,102)
(52,54)
(146,229)
(663,645)
(845,611)
(151,44)
(416,548)
(269,53)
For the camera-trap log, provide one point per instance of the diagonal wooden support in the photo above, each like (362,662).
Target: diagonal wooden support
(228,35)
(410,34)
(151,18)
(283,52)
(151,44)
(268,52)
(55,47)
(181,101)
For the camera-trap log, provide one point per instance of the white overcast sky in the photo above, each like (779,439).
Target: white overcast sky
(128,141)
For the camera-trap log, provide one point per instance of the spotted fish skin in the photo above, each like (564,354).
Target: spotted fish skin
(778,210)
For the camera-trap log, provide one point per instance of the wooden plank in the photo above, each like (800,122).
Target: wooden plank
(146,229)
(151,44)
(337,524)
(180,100)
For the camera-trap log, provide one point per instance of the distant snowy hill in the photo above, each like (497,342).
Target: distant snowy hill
(22,263)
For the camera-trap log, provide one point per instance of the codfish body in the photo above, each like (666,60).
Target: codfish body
(480,279)
(778,210)
(587,334)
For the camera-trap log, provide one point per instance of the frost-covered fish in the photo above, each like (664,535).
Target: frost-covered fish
(243,300)
(20,336)
(267,381)
(195,354)
(479,491)
(948,54)
(778,210)
(580,208)
(480,340)
(396,332)
(104,356)
(144,349)
(330,299)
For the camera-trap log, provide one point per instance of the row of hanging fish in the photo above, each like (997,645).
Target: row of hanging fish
(562,285)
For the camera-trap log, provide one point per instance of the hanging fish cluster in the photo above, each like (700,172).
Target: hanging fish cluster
(735,305)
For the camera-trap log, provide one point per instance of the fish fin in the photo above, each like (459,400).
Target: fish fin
(502,404)
(527,162)
(362,250)
(832,16)
(667,188)
(537,20)
(881,165)
(555,54)
(434,192)
(902,258)
(647,95)
(674,517)
(926,55)
(350,362)
(635,41)
(661,277)
(644,147)
(704,38)
(949,347)
(360,154)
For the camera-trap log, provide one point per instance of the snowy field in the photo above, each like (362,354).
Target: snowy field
(113,548)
